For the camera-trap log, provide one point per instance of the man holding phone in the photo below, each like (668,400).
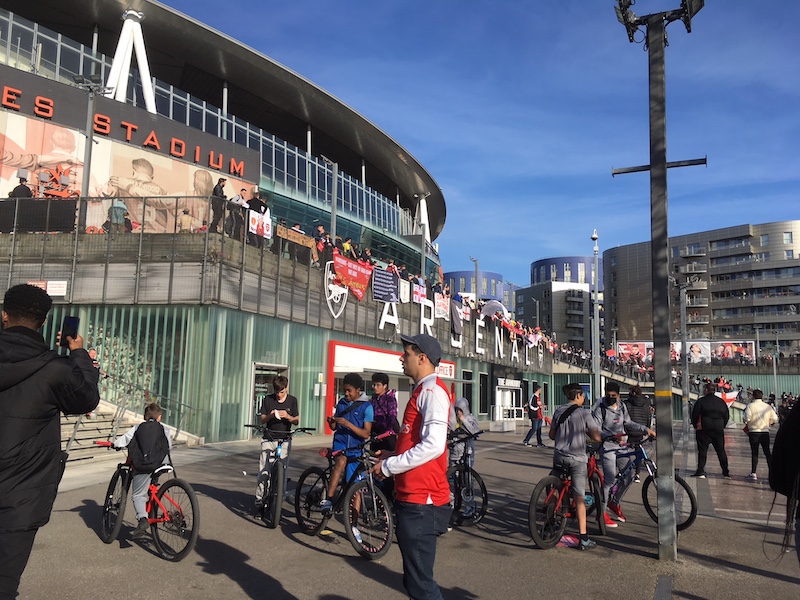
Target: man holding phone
(278,413)
(36,384)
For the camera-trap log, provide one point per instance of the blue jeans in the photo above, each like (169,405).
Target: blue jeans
(418,526)
(536,427)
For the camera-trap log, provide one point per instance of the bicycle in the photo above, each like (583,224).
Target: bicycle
(685,500)
(172,510)
(552,503)
(368,521)
(467,490)
(273,496)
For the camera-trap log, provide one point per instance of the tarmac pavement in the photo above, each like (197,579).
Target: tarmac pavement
(730,552)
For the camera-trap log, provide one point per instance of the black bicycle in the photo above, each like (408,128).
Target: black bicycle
(467,490)
(685,500)
(368,514)
(274,477)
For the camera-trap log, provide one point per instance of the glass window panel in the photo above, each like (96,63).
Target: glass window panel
(212,123)
(162,102)
(21,43)
(178,110)
(195,116)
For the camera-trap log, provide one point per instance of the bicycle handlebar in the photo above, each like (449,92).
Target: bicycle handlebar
(106,444)
(261,428)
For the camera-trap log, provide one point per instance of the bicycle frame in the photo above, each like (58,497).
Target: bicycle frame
(636,453)
(154,499)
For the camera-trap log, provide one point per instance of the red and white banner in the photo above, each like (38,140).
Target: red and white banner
(728,397)
(420,293)
(259,224)
(355,275)
(441,307)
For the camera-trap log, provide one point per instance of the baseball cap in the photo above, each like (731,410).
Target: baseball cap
(427,344)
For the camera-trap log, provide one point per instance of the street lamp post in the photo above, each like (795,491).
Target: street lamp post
(655,25)
(537,312)
(477,281)
(596,320)
(93,85)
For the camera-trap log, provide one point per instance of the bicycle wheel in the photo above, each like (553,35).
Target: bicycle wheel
(546,517)
(272,509)
(368,511)
(596,492)
(176,533)
(114,507)
(685,501)
(312,488)
(468,491)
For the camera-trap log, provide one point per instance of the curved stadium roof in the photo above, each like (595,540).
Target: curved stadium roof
(198,60)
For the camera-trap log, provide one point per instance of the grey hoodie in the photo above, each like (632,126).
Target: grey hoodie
(467,424)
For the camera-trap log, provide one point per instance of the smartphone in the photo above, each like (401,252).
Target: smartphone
(69,328)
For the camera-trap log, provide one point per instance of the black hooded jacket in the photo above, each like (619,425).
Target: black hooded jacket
(35,385)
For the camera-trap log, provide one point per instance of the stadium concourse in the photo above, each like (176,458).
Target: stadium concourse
(731,551)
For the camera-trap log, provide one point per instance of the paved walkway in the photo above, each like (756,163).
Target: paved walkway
(728,553)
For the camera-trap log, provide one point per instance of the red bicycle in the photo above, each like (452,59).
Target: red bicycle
(552,504)
(172,510)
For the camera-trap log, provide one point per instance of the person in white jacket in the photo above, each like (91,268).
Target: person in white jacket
(758,418)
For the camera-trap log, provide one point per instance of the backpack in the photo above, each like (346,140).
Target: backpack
(149,447)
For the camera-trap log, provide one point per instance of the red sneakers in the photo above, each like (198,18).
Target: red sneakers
(609,521)
(614,508)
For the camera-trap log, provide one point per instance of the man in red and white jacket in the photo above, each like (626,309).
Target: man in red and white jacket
(419,467)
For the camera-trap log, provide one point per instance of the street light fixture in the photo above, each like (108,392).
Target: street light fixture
(477,275)
(93,85)
(596,319)
(655,25)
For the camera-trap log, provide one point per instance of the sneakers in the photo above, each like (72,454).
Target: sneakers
(726,476)
(326,506)
(614,508)
(699,475)
(357,535)
(588,544)
(525,444)
(142,528)
(752,477)
(637,479)
(609,521)
(541,445)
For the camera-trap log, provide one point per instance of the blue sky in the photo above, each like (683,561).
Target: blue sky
(520,109)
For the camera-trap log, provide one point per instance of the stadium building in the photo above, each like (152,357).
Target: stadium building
(122,117)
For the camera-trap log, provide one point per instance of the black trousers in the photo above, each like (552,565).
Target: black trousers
(15,549)
(758,438)
(716,439)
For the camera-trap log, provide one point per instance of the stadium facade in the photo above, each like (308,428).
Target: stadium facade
(197,320)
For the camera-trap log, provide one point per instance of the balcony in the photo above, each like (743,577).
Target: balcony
(692,251)
(700,284)
(696,301)
(693,267)
(575,324)
(698,320)
(571,310)
(574,297)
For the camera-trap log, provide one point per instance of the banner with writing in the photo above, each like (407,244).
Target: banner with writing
(385,286)
(353,274)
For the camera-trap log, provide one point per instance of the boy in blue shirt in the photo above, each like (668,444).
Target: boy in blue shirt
(569,428)
(352,425)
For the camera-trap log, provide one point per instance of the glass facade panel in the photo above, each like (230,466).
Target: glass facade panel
(287,165)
